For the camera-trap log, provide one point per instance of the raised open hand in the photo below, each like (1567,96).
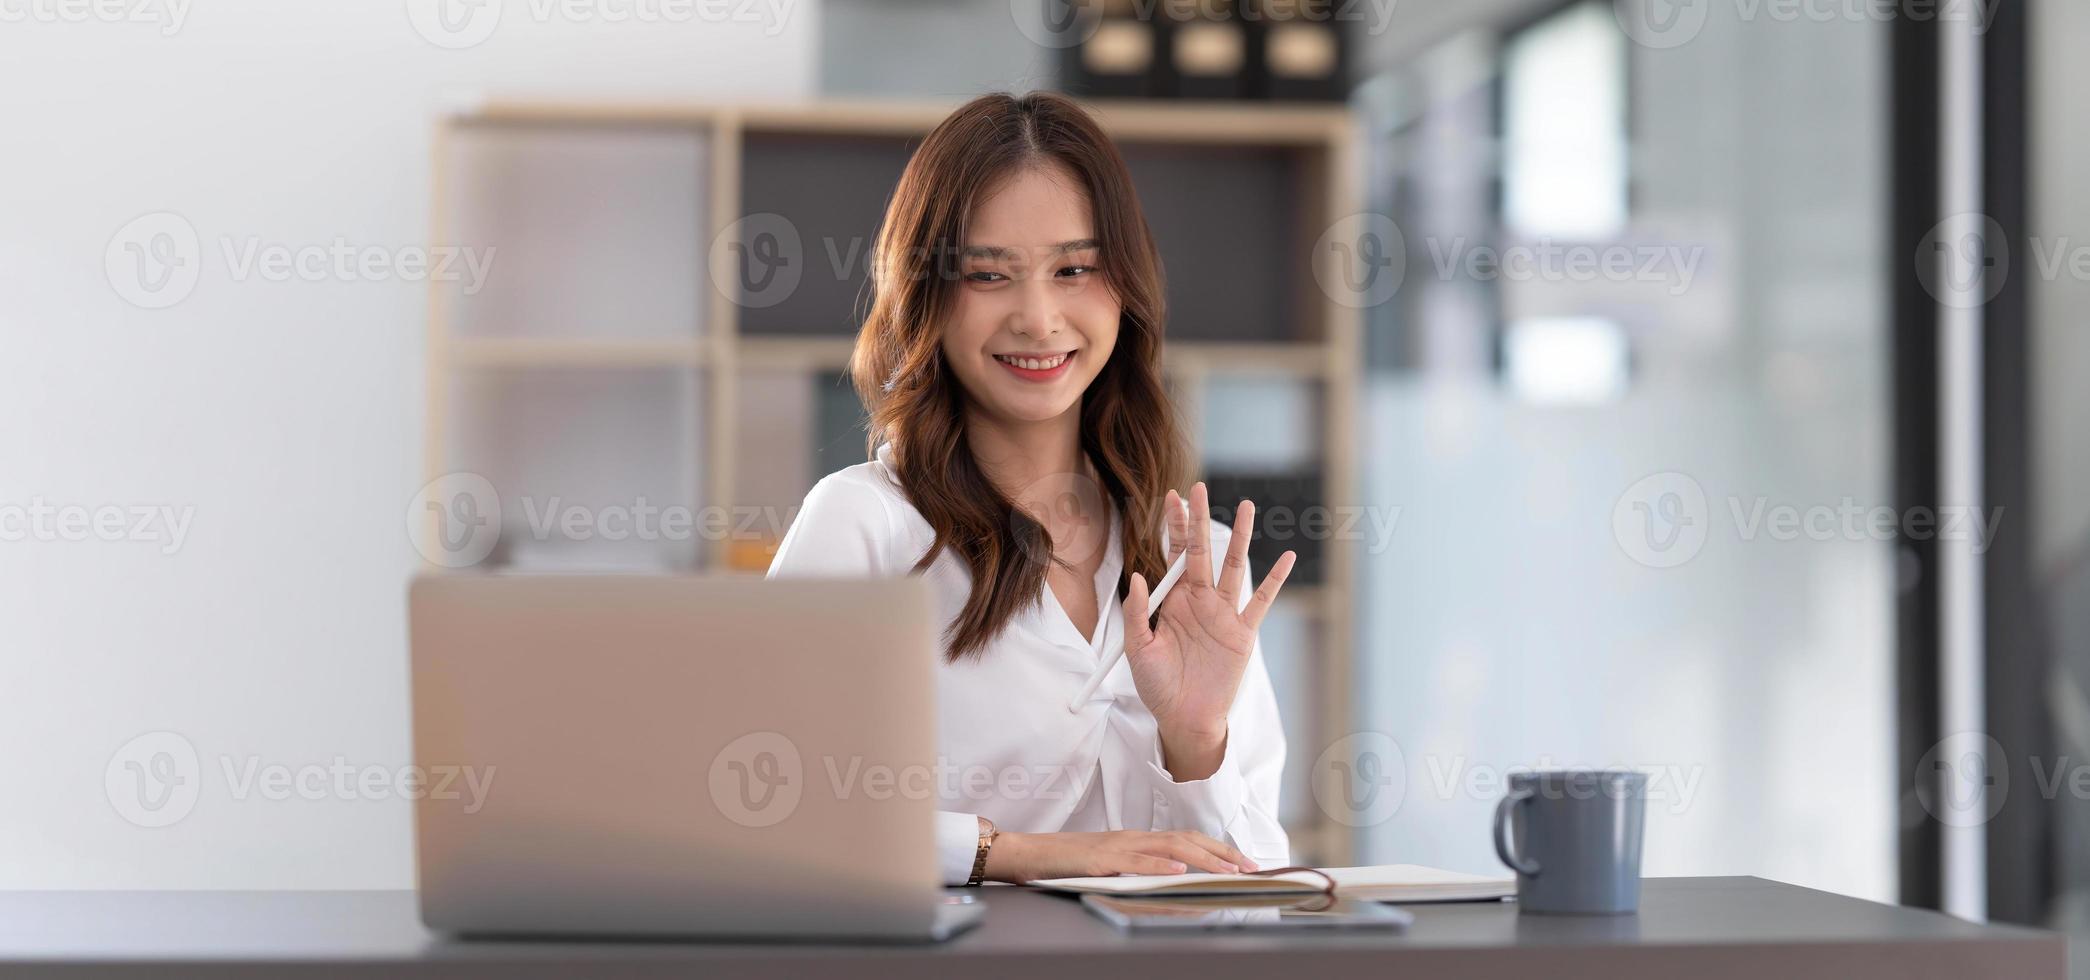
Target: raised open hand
(1187,665)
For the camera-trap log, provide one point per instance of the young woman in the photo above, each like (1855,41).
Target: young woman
(1023,444)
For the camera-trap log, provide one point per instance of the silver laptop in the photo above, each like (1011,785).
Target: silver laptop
(663,756)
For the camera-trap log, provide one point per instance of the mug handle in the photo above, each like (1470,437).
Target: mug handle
(1521,865)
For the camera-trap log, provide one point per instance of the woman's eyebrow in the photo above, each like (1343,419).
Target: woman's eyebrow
(1005,252)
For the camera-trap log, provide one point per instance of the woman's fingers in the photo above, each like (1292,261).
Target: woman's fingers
(1205,854)
(1265,594)
(1198,858)
(1223,849)
(1200,542)
(1178,518)
(1137,633)
(1162,852)
(1235,571)
(1135,863)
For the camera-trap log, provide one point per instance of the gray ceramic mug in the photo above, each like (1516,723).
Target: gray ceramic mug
(1577,838)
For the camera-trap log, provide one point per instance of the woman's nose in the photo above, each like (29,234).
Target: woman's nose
(1037,312)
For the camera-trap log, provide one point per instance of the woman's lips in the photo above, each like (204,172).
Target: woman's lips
(1051,366)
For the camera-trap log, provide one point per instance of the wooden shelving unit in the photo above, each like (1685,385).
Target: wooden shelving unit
(1304,158)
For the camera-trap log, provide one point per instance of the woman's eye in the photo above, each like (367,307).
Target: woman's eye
(1077,270)
(985,276)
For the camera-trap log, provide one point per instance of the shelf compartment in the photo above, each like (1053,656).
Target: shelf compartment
(595,232)
(607,442)
(823,196)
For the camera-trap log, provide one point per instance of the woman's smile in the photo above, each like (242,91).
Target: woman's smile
(1037,367)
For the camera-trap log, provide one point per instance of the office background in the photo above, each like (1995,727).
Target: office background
(1760,172)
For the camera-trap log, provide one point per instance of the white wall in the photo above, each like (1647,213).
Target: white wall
(286,414)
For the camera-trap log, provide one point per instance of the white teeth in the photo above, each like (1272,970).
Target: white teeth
(1032,363)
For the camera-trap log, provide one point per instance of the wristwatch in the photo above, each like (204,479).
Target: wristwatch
(979,857)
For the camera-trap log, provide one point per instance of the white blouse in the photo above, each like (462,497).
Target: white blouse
(1008,747)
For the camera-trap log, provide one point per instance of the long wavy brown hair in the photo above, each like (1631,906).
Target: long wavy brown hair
(1128,426)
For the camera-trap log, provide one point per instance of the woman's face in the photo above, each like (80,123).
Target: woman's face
(1034,322)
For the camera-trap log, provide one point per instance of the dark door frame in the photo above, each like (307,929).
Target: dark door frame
(1913,329)
(2015,655)
(2017,651)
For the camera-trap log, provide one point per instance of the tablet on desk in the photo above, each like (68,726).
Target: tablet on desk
(1209,912)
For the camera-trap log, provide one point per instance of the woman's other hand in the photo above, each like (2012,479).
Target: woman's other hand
(1188,665)
(1027,857)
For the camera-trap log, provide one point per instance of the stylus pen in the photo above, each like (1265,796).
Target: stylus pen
(1117,650)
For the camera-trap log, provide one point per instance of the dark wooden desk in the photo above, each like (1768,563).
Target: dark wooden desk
(1701,928)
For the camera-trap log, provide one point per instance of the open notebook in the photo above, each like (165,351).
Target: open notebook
(1377,883)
